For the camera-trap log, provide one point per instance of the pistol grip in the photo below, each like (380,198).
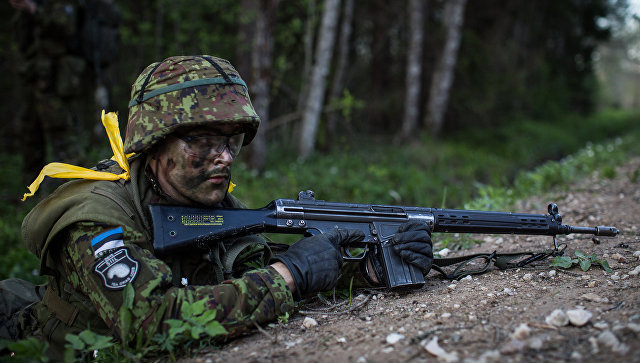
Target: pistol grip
(399,273)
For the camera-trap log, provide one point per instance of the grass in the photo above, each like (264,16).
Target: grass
(474,169)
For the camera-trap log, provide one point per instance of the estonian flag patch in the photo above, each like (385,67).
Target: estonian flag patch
(107,241)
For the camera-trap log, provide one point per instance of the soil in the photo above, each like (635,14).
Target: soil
(496,316)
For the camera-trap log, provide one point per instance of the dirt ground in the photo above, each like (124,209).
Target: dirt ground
(497,316)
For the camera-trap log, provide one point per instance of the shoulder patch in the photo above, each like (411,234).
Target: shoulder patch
(117,269)
(107,241)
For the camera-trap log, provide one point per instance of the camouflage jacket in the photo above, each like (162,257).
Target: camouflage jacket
(94,238)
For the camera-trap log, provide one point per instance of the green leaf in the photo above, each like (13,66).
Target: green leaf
(128,296)
(76,342)
(562,261)
(88,337)
(579,253)
(196,331)
(125,321)
(176,330)
(207,316)
(605,265)
(214,328)
(102,342)
(585,265)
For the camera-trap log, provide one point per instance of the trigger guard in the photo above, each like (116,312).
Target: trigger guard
(348,257)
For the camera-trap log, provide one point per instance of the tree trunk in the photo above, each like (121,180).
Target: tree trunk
(444,72)
(337,84)
(246,36)
(261,75)
(308,54)
(413,81)
(315,100)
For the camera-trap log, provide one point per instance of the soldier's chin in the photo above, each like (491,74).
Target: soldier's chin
(213,198)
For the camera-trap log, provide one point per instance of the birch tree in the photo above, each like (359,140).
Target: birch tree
(444,72)
(413,79)
(320,70)
(261,58)
(337,84)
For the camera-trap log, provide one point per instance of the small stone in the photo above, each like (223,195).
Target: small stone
(557,318)
(445,315)
(393,338)
(513,346)
(521,332)
(575,355)
(601,325)
(508,291)
(456,306)
(452,286)
(618,257)
(634,327)
(387,350)
(527,277)
(362,360)
(594,297)
(609,339)
(535,343)
(434,349)
(489,356)
(637,255)
(615,277)
(342,340)
(444,252)
(552,273)
(309,323)
(594,345)
(579,317)
(429,315)
(635,271)
(591,284)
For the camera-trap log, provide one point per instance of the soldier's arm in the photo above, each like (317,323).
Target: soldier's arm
(101,260)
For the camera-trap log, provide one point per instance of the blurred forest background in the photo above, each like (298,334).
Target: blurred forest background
(427,102)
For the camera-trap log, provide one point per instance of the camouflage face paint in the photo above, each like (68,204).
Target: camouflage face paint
(189,179)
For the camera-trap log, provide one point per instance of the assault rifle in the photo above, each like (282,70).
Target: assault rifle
(179,228)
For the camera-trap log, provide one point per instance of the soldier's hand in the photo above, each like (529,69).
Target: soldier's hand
(314,261)
(413,244)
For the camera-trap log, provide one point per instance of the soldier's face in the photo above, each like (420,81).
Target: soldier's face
(190,178)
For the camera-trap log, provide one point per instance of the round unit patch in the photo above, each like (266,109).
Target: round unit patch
(117,269)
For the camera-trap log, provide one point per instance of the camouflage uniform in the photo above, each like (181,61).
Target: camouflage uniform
(95,237)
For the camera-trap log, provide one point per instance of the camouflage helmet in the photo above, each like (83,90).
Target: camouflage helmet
(187,91)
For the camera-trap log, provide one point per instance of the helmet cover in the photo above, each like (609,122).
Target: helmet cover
(187,91)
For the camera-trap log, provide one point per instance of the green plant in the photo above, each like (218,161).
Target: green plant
(27,350)
(88,344)
(197,321)
(584,261)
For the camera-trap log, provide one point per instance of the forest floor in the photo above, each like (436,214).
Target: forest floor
(496,316)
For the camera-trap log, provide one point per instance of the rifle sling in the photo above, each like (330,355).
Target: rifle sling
(502,260)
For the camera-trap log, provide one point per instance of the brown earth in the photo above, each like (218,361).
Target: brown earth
(476,319)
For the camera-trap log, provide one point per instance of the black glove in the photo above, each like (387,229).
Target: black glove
(314,261)
(413,243)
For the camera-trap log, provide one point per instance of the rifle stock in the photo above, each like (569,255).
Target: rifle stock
(178,228)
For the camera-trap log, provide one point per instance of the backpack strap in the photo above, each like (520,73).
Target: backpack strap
(63,310)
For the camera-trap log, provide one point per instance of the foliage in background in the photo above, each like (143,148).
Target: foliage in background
(518,60)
